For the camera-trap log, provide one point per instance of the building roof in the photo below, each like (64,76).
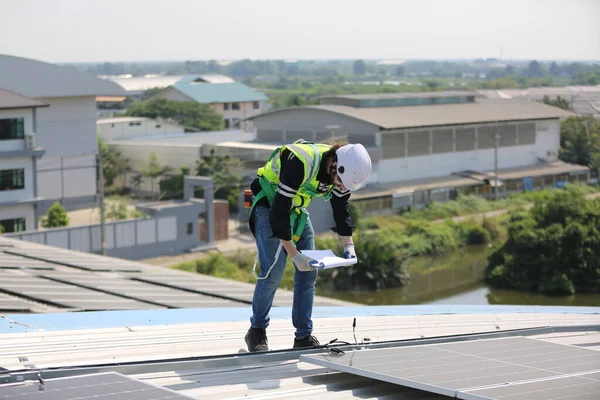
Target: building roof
(405,95)
(135,84)
(207,93)
(10,99)
(186,139)
(206,78)
(584,100)
(39,79)
(116,120)
(110,99)
(456,181)
(483,111)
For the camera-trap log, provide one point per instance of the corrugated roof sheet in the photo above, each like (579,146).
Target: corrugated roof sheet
(406,95)
(10,99)
(39,79)
(207,93)
(187,139)
(205,363)
(483,111)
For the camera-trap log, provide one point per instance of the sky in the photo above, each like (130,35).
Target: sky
(146,30)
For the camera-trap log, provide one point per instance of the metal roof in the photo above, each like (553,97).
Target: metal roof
(206,78)
(405,95)
(483,111)
(206,93)
(455,181)
(10,100)
(142,83)
(195,352)
(39,79)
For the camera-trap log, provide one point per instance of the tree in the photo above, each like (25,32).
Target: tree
(153,169)
(188,113)
(359,67)
(55,217)
(400,71)
(553,248)
(113,162)
(555,69)
(150,92)
(172,187)
(535,69)
(559,102)
(509,70)
(222,168)
(580,141)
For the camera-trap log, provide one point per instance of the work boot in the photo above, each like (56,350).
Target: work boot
(256,340)
(309,341)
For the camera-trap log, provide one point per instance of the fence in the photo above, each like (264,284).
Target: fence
(131,239)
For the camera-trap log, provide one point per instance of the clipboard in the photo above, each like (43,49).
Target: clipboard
(327,259)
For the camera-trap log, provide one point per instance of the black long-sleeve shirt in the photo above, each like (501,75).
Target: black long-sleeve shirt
(291,175)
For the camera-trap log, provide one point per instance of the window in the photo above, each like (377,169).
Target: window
(235,106)
(190,228)
(12,179)
(13,225)
(255,105)
(226,123)
(226,106)
(11,129)
(158,126)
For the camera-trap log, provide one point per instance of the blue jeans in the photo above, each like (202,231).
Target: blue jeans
(304,282)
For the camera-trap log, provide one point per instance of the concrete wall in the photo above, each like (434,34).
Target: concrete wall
(132,239)
(124,130)
(67,131)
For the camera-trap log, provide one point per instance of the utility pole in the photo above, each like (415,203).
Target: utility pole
(496,140)
(101,191)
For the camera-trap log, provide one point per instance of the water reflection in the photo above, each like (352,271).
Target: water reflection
(455,279)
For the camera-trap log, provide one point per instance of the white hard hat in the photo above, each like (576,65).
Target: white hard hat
(354,165)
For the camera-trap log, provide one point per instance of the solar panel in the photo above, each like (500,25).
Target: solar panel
(105,386)
(84,261)
(64,295)
(15,305)
(464,368)
(137,290)
(10,261)
(212,286)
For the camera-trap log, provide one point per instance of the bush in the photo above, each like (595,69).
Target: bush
(554,248)
(56,217)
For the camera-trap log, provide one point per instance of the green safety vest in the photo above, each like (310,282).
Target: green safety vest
(310,154)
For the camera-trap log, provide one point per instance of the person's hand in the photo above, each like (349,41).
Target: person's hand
(349,251)
(304,263)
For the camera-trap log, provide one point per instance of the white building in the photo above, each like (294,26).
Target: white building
(123,128)
(18,158)
(66,129)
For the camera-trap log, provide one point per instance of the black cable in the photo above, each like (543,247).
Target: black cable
(354,331)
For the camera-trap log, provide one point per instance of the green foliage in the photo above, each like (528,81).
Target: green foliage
(554,248)
(559,102)
(113,162)
(355,214)
(117,209)
(580,141)
(188,113)
(380,263)
(153,169)
(150,92)
(56,217)
(171,188)
(222,168)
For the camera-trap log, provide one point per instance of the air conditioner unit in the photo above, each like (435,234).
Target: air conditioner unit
(30,141)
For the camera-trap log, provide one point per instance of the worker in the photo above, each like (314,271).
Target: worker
(291,178)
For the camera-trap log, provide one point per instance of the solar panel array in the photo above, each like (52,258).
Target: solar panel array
(103,386)
(64,295)
(212,286)
(515,368)
(11,261)
(84,261)
(136,290)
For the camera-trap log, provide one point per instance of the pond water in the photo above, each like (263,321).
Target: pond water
(455,279)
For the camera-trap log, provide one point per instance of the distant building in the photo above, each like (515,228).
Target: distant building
(233,100)
(19,153)
(583,100)
(121,128)
(66,129)
(430,146)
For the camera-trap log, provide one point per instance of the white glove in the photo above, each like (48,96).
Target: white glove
(349,251)
(305,263)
